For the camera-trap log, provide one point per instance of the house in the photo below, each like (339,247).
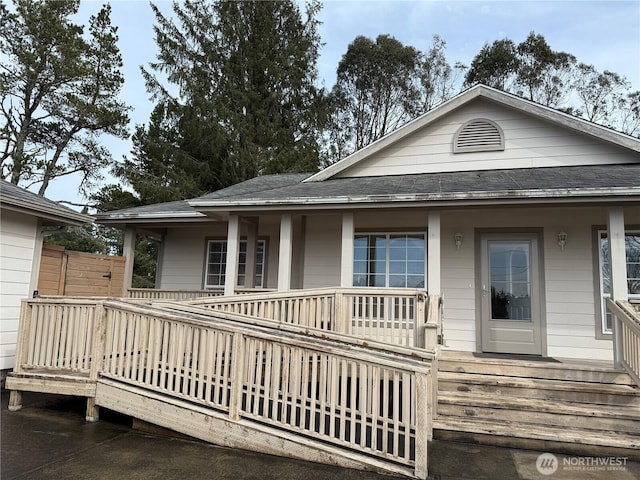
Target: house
(23,214)
(521,223)
(501,205)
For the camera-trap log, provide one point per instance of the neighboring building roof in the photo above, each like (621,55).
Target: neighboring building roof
(549,182)
(18,199)
(497,96)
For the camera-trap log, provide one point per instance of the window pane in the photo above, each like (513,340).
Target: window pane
(416,268)
(360,267)
(397,267)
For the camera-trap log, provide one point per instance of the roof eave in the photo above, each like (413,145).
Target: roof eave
(48,213)
(105,218)
(569,195)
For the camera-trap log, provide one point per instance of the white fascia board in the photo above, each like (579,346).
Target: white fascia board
(151,216)
(489,196)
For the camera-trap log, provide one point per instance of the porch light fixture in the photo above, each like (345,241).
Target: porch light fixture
(457,239)
(562,239)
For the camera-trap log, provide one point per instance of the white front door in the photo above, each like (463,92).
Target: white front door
(510,294)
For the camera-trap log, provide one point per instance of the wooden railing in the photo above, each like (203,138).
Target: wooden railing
(626,336)
(56,335)
(174,294)
(396,316)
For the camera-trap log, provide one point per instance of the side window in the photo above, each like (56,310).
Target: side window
(217,263)
(632,248)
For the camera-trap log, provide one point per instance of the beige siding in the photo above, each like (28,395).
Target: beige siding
(529,143)
(183,256)
(184,251)
(322,251)
(18,241)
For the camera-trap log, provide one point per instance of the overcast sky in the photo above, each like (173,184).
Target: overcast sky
(603,33)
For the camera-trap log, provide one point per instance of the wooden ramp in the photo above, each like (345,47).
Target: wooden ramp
(559,403)
(234,380)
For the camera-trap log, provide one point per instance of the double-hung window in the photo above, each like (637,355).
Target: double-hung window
(632,248)
(217,263)
(394,260)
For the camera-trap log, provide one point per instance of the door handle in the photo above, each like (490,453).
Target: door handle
(107,275)
(484,290)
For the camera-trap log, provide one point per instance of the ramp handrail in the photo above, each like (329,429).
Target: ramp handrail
(385,315)
(626,336)
(354,397)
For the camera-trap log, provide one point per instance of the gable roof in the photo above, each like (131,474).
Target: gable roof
(20,200)
(493,95)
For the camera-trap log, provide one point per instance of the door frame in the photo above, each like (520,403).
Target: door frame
(538,232)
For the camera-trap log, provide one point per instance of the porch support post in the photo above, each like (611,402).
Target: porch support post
(233,250)
(615,234)
(346,260)
(129,253)
(284,257)
(252,242)
(433,254)
(619,289)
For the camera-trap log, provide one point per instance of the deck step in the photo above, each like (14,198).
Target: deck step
(540,412)
(547,433)
(551,369)
(541,389)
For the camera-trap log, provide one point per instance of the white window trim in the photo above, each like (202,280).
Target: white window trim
(387,234)
(260,277)
(601,233)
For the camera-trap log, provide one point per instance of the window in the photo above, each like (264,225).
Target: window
(389,260)
(217,263)
(632,247)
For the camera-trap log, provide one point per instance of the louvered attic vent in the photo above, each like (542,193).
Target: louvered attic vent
(479,135)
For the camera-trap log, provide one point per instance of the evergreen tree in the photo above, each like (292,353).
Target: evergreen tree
(58,92)
(235,93)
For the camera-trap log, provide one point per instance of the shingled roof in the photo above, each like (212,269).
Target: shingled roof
(550,182)
(18,199)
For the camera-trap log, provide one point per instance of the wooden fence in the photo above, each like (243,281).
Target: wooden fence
(626,333)
(69,273)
